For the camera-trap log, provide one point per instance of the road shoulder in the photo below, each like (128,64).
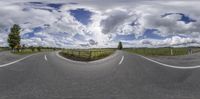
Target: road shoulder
(185,60)
(8,58)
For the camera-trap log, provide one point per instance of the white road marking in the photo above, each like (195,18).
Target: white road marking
(171,66)
(16,61)
(121,60)
(45,57)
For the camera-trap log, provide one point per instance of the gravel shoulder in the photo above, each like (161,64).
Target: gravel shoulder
(7,56)
(184,60)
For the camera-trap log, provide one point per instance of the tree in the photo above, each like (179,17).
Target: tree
(32,48)
(39,48)
(14,37)
(23,47)
(120,46)
(54,49)
(18,47)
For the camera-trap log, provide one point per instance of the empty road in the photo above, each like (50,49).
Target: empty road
(119,76)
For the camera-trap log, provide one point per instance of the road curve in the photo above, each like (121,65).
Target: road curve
(7,57)
(120,76)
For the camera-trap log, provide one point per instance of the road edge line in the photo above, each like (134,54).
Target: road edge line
(171,66)
(16,61)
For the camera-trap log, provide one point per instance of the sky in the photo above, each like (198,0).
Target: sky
(102,23)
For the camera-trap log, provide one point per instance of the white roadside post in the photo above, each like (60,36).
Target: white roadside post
(172,52)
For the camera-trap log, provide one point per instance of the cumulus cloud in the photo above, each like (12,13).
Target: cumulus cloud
(175,41)
(50,23)
(173,23)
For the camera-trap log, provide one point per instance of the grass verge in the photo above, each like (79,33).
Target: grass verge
(3,49)
(29,51)
(86,55)
(159,51)
(24,52)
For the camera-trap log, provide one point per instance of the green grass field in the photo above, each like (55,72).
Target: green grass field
(29,51)
(25,51)
(98,53)
(86,55)
(3,48)
(159,51)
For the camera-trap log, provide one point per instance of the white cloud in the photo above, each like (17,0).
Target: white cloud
(168,42)
(151,18)
(59,28)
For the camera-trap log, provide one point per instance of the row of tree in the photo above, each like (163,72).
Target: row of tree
(14,40)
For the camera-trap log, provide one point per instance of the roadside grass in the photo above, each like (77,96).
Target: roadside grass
(29,51)
(3,49)
(196,50)
(86,54)
(25,51)
(159,51)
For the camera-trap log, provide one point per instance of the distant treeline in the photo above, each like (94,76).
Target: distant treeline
(33,48)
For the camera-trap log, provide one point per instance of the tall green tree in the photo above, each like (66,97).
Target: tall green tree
(120,46)
(32,48)
(39,48)
(14,37)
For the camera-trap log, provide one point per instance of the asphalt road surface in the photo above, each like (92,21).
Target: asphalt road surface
(182,60)
(7,56)
(120,76)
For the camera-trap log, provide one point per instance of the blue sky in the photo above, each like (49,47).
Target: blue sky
(85,24)
(186,19)
(82,15)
